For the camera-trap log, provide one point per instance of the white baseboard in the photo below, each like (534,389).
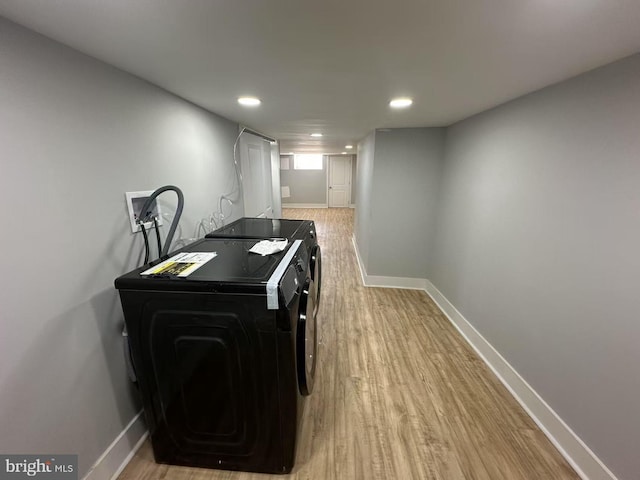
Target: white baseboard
(117,455)
(353,205)
(386,282)
(572,448)
(305,205)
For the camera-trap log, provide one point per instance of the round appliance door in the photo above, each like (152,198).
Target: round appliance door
(315,266)
(306,341)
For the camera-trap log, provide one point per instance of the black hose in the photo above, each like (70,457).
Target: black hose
(155,224)
(144,214)
(146,244)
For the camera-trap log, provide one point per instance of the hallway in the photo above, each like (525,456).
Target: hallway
(399,394)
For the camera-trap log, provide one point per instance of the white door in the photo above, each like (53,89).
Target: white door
(339,180)
(255,165)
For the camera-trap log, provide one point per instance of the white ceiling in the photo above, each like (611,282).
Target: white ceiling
(332,66)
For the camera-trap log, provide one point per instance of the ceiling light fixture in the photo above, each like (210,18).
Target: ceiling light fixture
(249,101)
(344,153)
(316,134)
(400,102)
(348,147)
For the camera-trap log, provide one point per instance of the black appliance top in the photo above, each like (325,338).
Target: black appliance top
(260,228)
(233,269)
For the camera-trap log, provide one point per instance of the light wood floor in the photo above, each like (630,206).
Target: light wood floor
(398,394)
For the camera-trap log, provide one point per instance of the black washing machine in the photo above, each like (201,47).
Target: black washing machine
(265,228)
(224,356)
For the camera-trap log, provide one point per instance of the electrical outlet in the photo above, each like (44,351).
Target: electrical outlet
(135,201)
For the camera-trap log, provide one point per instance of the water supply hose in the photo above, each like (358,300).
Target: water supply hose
(157,227)
(146,244)
(145,214)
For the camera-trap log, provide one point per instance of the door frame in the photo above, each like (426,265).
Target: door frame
(350,158)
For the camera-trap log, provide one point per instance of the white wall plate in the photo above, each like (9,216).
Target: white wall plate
(135,201)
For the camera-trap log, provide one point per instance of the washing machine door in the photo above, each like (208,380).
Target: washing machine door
(315,266)
(306,340)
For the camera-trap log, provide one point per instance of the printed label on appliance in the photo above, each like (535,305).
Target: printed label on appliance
(181,265)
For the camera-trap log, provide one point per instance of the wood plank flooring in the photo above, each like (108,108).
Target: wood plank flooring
(398,394)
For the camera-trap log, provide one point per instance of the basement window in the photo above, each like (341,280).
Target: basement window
(307,162)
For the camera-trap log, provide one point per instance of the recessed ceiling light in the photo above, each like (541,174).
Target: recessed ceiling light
(316,134)
(400,102)
(348,147)
(344,153)
(249,101)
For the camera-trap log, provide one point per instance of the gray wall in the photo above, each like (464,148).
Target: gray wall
(364,197)
(310,186)
(306,186)
(402,201)
(537,246)
(75,134)
(354,177)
